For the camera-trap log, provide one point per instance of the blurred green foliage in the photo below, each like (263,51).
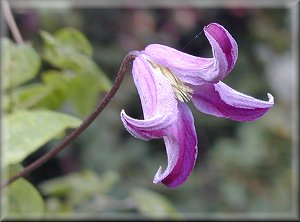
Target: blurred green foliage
(28,122)
(22,198)
(243,168)
(20,63)
(154,205)
(26,131)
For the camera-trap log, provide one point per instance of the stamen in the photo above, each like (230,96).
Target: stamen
(182,92)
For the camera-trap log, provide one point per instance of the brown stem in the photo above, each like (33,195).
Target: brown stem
(8,15)
(76,132)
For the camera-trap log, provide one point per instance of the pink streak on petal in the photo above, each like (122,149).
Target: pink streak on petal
(224,40)
(198,70)
(222,101)
(151,128)
(155,91)
(158,102)
(181,145)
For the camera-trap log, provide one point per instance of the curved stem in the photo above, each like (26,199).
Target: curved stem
(11,22)
(76,132)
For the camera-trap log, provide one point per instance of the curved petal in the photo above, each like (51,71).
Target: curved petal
(196,70)
(147,129)
(225,49)
(181,144)
(158,102)
(155,91)
(222,101)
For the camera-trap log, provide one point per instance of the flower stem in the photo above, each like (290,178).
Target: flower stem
(8,15)
(76,132)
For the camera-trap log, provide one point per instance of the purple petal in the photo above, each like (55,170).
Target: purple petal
(181,144)
(196,70)
(225,48)
(222,101)
(152,128)
(155,91)
(158,102)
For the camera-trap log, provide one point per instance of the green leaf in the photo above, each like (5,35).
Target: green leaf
(71,85)
(20,63)
(70,56)
(50,94)
(26,131)
(153,205)
(23,199)
(56,78)
(27,96)
(84,181)
(61,55)
(75,39)
(55,206)
(57,87)
(79,186)
(84,102)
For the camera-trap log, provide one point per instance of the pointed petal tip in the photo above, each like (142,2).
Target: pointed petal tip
(160,176)
(224,47)
(146,129)
(213,24)
(157,178)
(181,145)
(196,70)
(271,99)
(214,27)
(124,116)
(222,101)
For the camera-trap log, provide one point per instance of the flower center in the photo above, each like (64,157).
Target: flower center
(182,92)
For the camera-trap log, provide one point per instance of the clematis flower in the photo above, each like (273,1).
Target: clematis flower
(166,79)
